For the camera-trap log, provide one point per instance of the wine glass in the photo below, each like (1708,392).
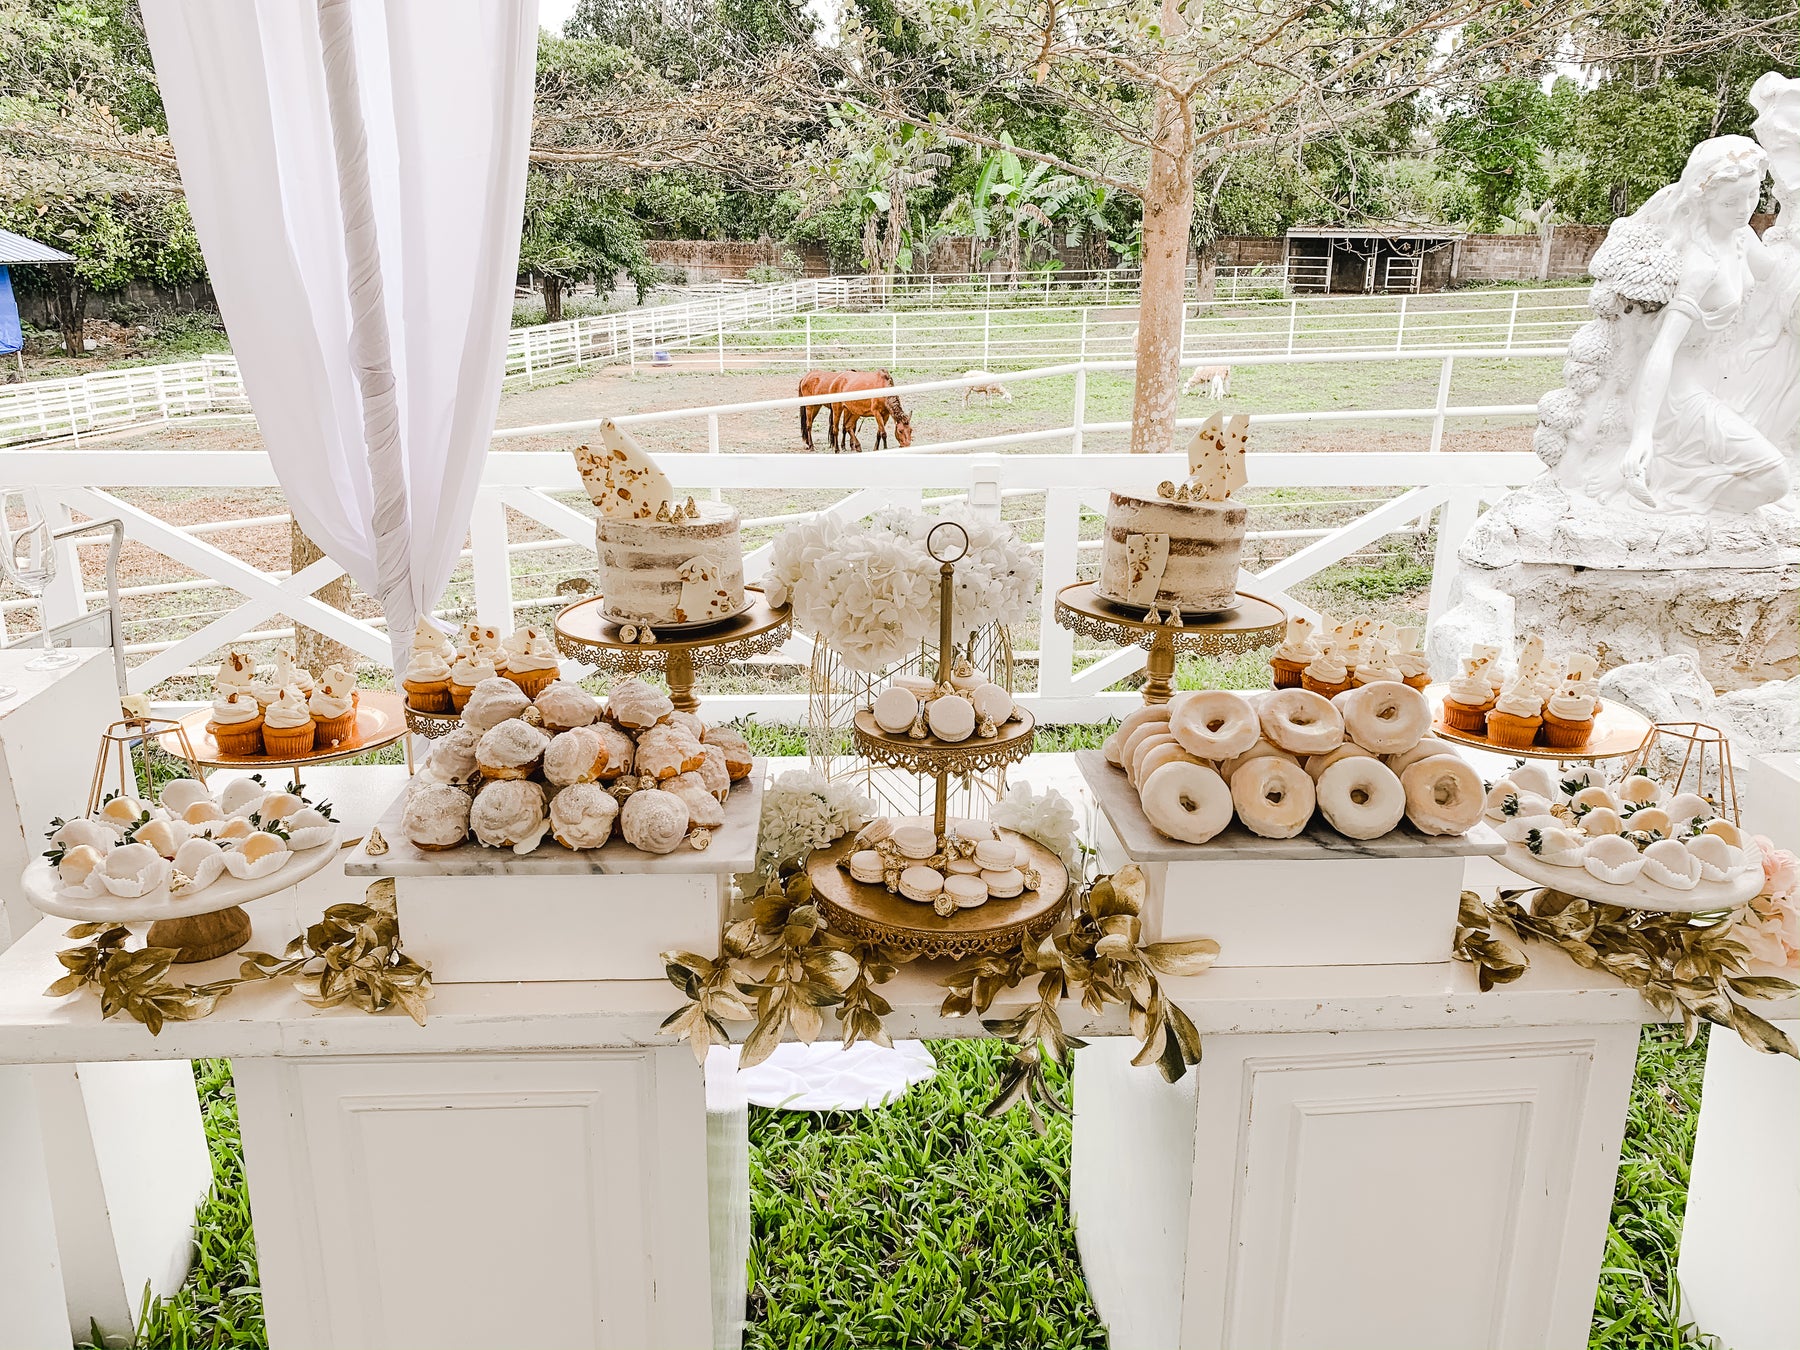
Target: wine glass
(28,558)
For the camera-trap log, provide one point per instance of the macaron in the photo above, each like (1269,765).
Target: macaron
(965,867)
(1004,883)
(967,682)
(919,686)
(992,703)
(865,865)
(895,709)
(921,884)
(1021,855)
(994,855)
(952,717)
(915,841)
(874,832)
(968,892)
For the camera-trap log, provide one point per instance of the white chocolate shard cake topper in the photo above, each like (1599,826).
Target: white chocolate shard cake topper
(621,478)
(1146,558)
(1216,457)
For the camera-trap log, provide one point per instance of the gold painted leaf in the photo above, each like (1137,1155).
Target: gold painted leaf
(1190,957)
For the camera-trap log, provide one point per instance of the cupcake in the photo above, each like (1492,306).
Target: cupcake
(470,669)
(427,681)
(288,674)
(428,637)
(288,726)
(1326,674)
(1377,666)
(1296,650)
(236,725)
(1569,716)
(1515,718)
(1468,700)
(534,666)
(1409,658)
(333,707)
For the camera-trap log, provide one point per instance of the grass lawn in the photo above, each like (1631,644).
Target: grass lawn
(926,1225)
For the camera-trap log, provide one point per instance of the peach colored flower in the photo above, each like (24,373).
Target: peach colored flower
(1769,926)
(1781,870)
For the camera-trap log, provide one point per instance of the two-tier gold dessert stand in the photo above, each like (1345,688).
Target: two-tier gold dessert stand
(1250,623)
(871,913)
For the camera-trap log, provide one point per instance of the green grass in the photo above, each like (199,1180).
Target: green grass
(926,1225)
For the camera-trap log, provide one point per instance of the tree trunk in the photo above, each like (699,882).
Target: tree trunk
(1621,199)
(1206,272)
(552,287)
(1168,216)
(68,304)
(313,649)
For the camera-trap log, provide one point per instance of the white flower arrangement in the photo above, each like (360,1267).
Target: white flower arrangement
(802,811)
(869,590)
(1046,817)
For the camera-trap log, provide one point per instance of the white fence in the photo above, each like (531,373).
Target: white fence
(1035,467)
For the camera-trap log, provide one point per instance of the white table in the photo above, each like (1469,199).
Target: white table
(101,1164)
(1740,1238)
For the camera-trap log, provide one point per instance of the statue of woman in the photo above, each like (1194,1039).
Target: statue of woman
(1663,403)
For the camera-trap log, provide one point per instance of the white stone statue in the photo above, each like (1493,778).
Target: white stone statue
(1673,396)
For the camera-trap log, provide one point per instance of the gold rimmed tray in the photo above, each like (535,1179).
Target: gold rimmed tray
(931,756)
(874,914)
(1618,732)
(380,721)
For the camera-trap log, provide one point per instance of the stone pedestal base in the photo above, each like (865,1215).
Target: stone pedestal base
(1629,585)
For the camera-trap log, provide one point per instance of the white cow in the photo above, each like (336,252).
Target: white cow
(987,389)
(1217,379)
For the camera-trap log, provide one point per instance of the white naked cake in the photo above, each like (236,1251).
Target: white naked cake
(1178,552)
(662,561)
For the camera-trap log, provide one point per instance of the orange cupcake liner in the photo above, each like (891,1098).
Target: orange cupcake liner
(239,738)
(532,682)
(281,741)
(1563,734)
(1462,717)
(1515,733)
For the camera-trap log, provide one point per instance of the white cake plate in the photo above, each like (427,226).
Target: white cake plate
(200,924)
(1637,893)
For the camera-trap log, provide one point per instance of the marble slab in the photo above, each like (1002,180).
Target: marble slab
(733,849)
(1142,842)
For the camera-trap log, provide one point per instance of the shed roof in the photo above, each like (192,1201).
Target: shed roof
(1373,232)
(16,248)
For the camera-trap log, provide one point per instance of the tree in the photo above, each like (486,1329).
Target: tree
(1174,92)
(1500,136)
(576,231)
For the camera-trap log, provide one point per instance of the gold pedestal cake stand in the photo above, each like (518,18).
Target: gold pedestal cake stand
(870,912)
(584,633)
(1250,623)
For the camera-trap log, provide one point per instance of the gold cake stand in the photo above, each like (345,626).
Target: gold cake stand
(1250,623)
(584,633)
(380,721)
(1618,732)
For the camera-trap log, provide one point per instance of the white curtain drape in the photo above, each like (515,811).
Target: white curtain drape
(356,173)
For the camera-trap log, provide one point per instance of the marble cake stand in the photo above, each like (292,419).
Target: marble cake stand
(200,925)
(1251,623)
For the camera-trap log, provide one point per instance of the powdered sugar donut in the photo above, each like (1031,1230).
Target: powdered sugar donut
(1360,796)
(582,816)
(636,705)
(1443,795)
(1301,722)
(493,702)
(654,820)
(1187,802)
(1385,717)
(1213,724)
(574,757)
(1273,796)
(510,813)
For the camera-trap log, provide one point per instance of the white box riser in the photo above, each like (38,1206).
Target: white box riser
(475,930)
(1268,912)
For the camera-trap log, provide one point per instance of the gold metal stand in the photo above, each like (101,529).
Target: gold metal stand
(115,749)
(1251,623)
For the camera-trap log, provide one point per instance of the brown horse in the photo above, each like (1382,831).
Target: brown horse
(852,413)
(816,382)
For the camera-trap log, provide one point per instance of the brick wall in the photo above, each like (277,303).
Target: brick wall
(732,259)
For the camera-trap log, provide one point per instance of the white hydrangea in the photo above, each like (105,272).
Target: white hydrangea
(1046,817)
(803,811)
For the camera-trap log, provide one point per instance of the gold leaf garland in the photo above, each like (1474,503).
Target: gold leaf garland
(1679,965)
(352,955)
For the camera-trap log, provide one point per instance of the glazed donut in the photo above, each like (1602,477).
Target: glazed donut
(1110,747)
(1140,747)
(1301,722)
(1317,764)
(1443,794)
(1257,751)
(1274,797)
(1129,747)
(1425,749)
(1360,796)
(1385,717)
(1150,712)
(1187,802)
(1214,724)
(1149,761)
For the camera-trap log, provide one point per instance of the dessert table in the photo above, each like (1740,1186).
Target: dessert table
(1369,1154)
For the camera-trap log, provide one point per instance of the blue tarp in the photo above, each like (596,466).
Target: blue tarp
(11,339)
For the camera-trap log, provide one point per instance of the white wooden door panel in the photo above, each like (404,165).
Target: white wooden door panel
(558,1196)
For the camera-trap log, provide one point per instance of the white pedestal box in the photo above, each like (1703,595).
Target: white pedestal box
(481,915)
(1290,902)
